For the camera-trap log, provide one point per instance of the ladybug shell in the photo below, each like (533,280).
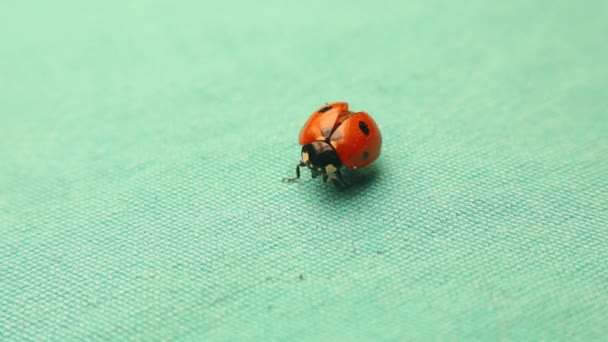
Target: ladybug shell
(355,136)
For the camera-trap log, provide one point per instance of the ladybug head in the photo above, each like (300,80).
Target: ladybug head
(321,158)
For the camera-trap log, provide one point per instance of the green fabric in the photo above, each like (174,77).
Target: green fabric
(143,143)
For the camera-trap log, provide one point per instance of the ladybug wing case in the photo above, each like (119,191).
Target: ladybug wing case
(357,140)
(322,122)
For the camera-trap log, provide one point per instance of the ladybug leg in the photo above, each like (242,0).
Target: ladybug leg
(297,173)
(338,180)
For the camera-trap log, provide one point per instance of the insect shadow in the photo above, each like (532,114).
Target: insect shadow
(358,180)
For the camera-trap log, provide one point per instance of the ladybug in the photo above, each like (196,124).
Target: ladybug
(335,137)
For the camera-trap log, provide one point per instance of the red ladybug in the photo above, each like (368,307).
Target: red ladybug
(334,137)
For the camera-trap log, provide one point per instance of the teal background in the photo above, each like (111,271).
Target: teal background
(142,146)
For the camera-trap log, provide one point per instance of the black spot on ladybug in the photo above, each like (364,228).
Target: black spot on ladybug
(363,127)
(365,154)
(324,109)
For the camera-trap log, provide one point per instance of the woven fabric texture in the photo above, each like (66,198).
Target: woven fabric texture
(143,143)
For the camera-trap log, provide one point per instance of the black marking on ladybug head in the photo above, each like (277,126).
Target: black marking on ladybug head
(320,154)
(324,109)
(363,127)
(365,154)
